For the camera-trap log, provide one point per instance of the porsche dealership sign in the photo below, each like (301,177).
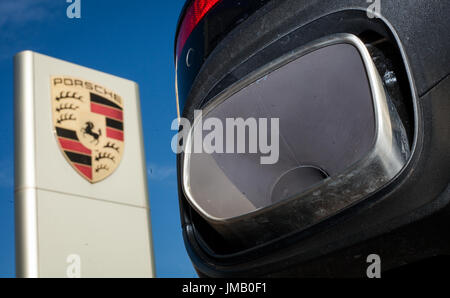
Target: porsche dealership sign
(81,198)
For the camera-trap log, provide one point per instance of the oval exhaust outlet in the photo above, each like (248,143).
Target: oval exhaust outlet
(294,143)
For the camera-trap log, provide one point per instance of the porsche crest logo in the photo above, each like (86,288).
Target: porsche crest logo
(88,123)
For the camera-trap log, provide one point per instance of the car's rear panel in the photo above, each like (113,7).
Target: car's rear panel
(235,38)
(197,38)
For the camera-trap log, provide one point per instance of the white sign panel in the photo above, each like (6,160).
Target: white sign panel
(80,183)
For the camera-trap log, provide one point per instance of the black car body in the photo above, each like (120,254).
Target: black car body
(405,221)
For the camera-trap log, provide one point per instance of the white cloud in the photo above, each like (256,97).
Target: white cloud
(159,173)
(21,12)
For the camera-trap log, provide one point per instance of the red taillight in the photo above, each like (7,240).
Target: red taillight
(194,14)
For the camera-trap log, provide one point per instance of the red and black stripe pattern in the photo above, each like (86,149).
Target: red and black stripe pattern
(79,155)
(113,114)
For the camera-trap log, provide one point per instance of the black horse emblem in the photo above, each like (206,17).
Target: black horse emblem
(88,129)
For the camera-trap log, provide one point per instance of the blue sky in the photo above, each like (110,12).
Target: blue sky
(131,39)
